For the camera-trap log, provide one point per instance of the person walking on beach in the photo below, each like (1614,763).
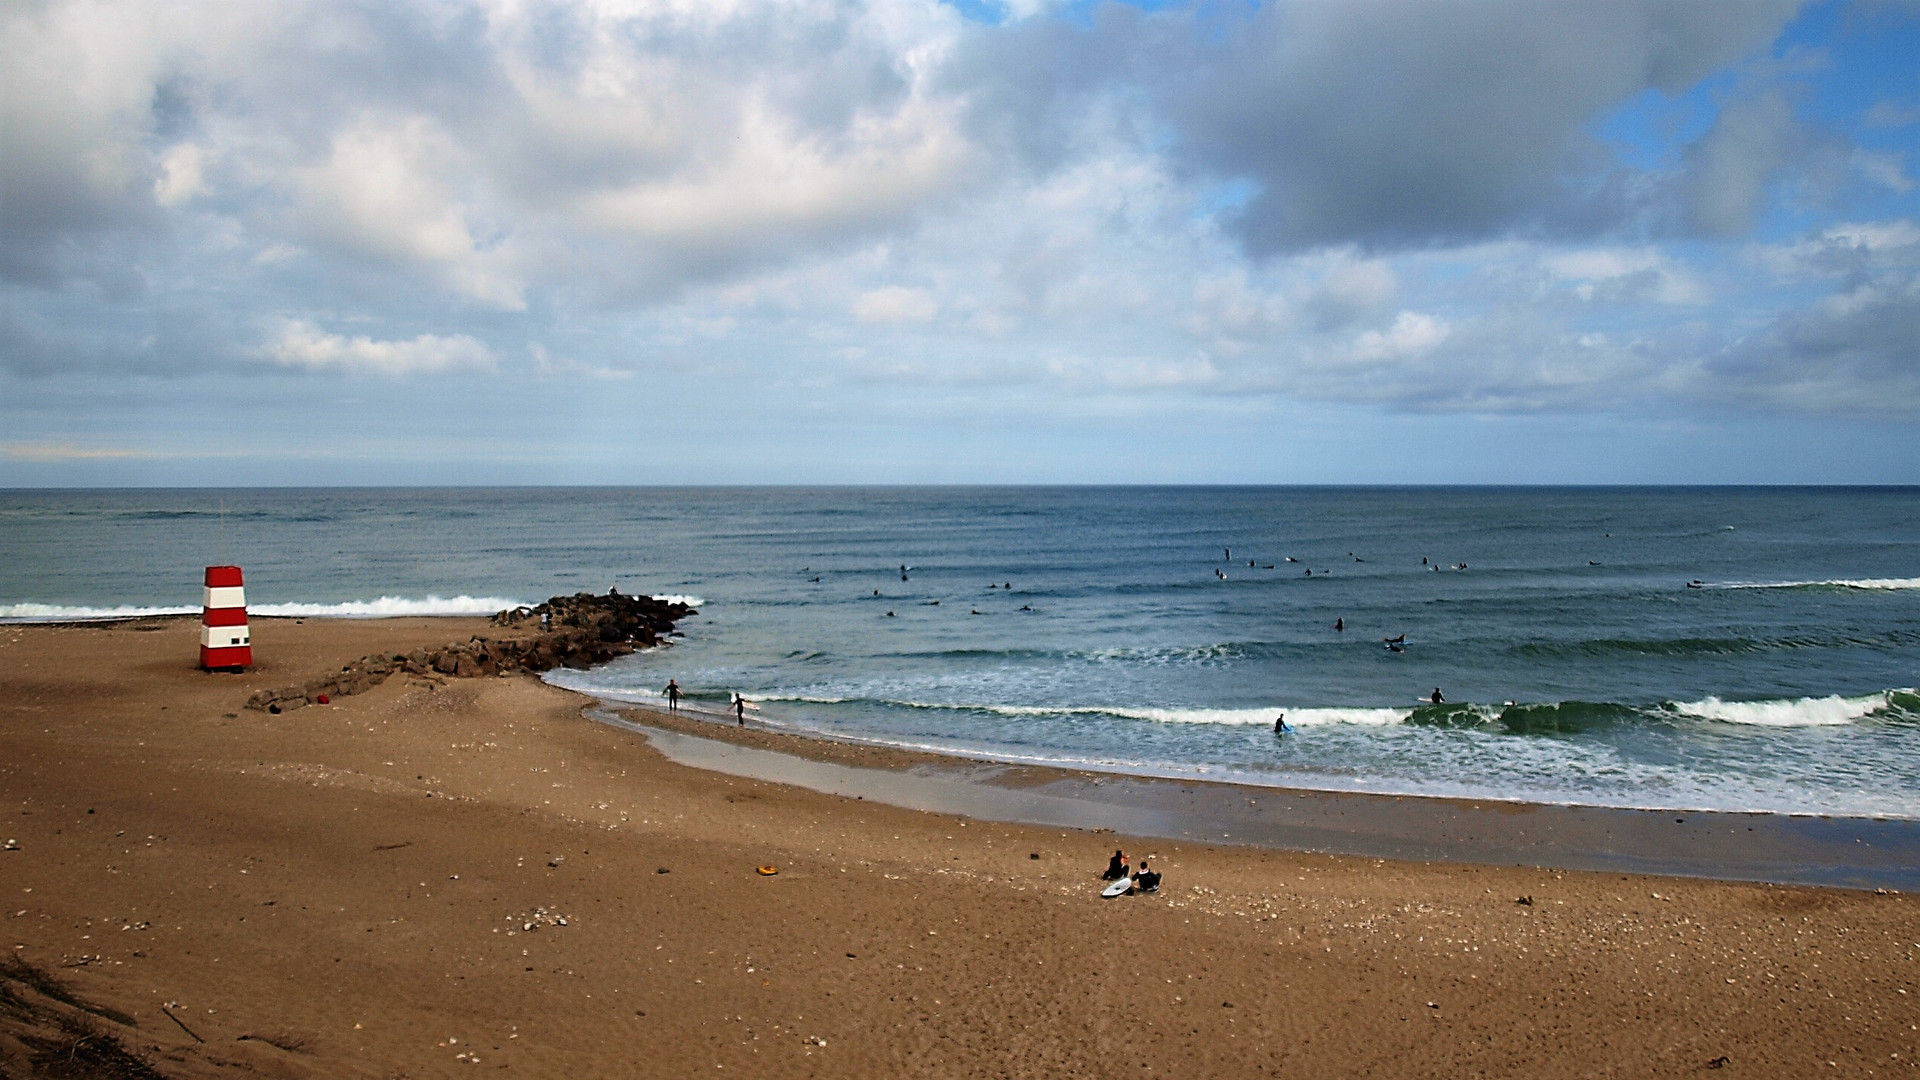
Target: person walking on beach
(673,696)
(740,707)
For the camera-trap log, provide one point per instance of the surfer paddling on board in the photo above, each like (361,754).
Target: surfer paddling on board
(673,695)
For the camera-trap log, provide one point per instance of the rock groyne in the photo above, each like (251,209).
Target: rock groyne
(575,631)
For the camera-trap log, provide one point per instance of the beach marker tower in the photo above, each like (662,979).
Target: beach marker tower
(225,643)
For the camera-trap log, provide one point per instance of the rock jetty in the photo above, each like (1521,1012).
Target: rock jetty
(575,631)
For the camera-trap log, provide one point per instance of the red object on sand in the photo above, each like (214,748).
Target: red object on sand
(225,641)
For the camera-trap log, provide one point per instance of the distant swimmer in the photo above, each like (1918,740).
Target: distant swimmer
(1401,640)
(1008,585)
(1339,624)
(1696,583)
(1250,564)
(1026,607)
(1394,646)
(1423,560)
(1309,573)
(889,614)
(1228,554)
(929,603)
(1292,559)
(876,592)
(975,611)
(903,577)
(1436,698)
(1280,725)
(1269,566)
(1590,562)
(815,580)
(1459,566)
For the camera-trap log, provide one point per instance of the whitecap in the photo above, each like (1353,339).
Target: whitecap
(1795,712)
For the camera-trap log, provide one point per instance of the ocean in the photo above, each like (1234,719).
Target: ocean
(1745,649)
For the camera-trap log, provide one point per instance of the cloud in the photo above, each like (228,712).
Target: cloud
(893,304)
(1853,350)
(303,346)
(1393,124)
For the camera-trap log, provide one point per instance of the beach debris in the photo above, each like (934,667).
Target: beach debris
(663,870)
(531,921)
(1033,855)
(767,871)
(11,845)
(556,860)
(1525,901)
(1720,1062)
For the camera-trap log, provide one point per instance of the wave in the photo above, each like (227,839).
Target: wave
(1867,584)
(30,612)
(381,608)
(1514,718)
(391,607)
(676,598)
(1799,712)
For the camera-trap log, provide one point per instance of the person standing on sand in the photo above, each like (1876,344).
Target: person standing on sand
(673,696)
(740,707)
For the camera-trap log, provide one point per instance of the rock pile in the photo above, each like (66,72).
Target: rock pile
(576,631)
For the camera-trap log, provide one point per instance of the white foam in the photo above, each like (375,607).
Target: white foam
(675,598)
(1232,717)
(1834,583)
(31,612)
(1797,712)
(387,607)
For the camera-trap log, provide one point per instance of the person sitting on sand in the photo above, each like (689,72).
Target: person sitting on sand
(1116,867)
(1146,880)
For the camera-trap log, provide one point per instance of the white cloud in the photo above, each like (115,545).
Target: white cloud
(180,176)
(1411,335)
(305,347)
(895,304)
(1625,274)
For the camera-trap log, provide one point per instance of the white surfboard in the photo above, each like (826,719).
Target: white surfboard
(1118,888)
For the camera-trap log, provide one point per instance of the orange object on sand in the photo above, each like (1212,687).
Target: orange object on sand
(769,871)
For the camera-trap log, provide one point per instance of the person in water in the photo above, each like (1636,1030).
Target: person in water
(673,696)
(1116,867)
(1436,698)
(740,707)
(1340,624)
(1280,725)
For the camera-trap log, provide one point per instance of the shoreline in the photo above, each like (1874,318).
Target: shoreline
(438,873)
(1788,849)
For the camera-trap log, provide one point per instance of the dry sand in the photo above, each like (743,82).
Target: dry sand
(433,880)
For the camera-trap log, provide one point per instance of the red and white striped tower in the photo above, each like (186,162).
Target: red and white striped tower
(224,639)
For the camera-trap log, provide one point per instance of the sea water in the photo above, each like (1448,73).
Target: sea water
(1734,649)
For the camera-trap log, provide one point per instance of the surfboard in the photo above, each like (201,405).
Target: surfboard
(1118,888)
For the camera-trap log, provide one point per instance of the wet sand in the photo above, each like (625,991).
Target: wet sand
(431,872)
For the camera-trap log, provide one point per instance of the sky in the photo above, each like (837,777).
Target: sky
(978,241)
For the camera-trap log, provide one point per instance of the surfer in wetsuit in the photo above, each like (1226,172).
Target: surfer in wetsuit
(1436,698)
(1280,725)
(1340,624)
(740,707)
(673,696)
(1116,867)
(1146,880)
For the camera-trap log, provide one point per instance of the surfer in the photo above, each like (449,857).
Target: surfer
(1146,880)
(673,695)
(740,707)
(1280,725)
(1340,624)
(1436,698)
(1401,640)
(1116,867)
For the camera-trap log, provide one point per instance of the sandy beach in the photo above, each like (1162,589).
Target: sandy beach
(446,875)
